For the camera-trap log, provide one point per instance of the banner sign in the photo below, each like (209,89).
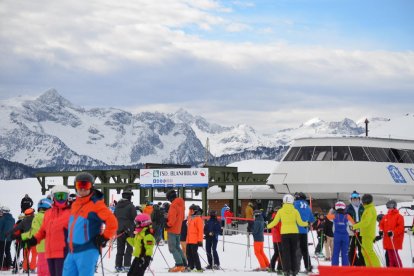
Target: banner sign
(172,178)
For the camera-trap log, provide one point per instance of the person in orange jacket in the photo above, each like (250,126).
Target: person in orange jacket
(392,224)
(195,232)
(148,208)
(173,225)
(88,214)
(54,230)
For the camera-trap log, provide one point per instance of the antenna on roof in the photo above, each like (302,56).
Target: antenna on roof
(366,127)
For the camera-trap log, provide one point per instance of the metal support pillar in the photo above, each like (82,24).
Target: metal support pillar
(235,200)
(204,202)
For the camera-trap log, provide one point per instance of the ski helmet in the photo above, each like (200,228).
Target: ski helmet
(60,189)
(29,212)
(5,209)
(367,199)
(171,195)
(127,194)
(44,203)
(257,213)
(391,204)
(288,199)
(340,205)
(355,194)
(143,220)
(84,180)
(379,217)
(213,213)
(300,196)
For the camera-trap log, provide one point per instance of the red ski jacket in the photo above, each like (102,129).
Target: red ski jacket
(392,221)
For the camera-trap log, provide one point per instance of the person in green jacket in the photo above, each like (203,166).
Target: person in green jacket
(290,218)
(143,244)
(367,226)
(43,205)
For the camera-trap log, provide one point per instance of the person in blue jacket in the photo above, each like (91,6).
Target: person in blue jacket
(306,215)
(212,230)
(225,207)
(6,227)
(341,238)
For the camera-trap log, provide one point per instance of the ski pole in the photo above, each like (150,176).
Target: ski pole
(268,244)
(317,259)
(378,252)
(366,253)
(102,267)
(280,256)
(411,250)
(395,252)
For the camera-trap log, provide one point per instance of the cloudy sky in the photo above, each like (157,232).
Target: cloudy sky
(267,63)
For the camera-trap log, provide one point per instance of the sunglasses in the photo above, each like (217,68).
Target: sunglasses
(86,185)
(60,196)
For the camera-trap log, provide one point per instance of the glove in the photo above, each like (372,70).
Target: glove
(200,244)
(30,242)
(377,238)
(100,241)
(390,233)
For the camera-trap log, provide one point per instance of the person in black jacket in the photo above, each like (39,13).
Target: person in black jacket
(125,213)
(158,222)
(26,203)
(6,227)
(212,230)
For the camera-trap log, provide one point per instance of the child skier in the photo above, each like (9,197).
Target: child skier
(329,235)
(143,244)
(194,238)
(212,230)
(290,218)
(341,238)
(392,224)
(319,225)
(258,237)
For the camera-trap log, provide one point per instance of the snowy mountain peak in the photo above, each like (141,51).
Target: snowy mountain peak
(312,122)
(52,97)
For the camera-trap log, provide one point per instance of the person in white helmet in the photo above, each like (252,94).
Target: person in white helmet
(290,218)
(6,227)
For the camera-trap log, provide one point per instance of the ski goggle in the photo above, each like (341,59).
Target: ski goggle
(355,196)
(86,185)
(60,196)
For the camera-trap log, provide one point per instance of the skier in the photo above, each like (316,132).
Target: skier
(143,243)
(228,214)
(158,222)
(258,238)
(319,225)
(26,203)
(341,238)
(355,210)
(125,213)
(174,222)
(329,235)
(306,214)
(225,207)
(43,205)
(392,224)
(85,239)
(367,227)
(212,230)
(249,216)
(6,227)
(194,238)
(277,245)
(290,219)
(54,230)
(29,253)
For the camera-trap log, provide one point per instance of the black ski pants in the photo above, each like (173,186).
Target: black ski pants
(192,256)
(289,245)
(277,246)
(303,252)
(211,251)
(6,260)
(138,267)
(355,249)
(123,252)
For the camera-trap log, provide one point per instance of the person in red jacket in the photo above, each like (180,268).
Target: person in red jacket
(54,230)
(195,233)
(85,237)
(392,227)
(228,214)
(277,245)
(174,222)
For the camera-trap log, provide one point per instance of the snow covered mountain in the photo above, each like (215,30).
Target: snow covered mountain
(50,131)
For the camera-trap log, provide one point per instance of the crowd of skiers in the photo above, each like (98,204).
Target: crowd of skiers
(66,235)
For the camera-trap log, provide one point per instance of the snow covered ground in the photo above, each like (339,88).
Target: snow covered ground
(234,255)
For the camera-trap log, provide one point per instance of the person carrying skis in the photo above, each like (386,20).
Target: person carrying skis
(54,230)
(258,238)
(125,213)
(88,214)
(43,205)
(143,241)
(290,219)
(340,235)
(367,227)
(175,217)
(277,244)
(355,210)
(6,227)
(392,224)
(306,214)
(212,230)
(194,238)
